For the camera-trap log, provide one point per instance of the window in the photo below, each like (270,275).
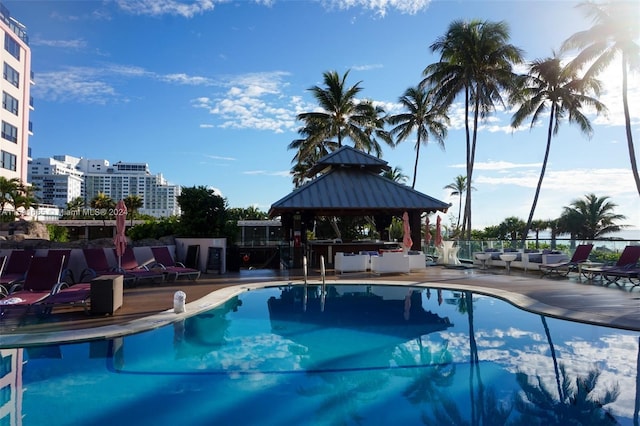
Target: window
(8,161)
(9,132)
(9,103)
(11,46)
(11,75)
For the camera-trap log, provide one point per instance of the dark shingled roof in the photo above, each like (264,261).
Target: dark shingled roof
(352,187)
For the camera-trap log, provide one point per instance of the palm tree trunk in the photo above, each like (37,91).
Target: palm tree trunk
(542,171)
(467,205)
(415,166)
(459,209)
(627,121)
(468,142)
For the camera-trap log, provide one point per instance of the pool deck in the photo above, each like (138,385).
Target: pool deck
(151,305)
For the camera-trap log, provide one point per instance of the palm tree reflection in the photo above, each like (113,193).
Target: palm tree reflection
(579,404)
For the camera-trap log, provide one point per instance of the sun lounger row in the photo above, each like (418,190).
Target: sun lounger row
(46,282)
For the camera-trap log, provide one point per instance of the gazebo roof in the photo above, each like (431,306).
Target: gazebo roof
(351,185)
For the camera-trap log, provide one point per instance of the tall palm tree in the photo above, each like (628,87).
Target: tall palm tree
(8,188)
(615,31)
(342,115)
(423,117)
(554,88)
(595,215)
(476,62)
(458,187)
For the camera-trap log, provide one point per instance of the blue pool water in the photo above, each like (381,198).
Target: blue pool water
(366,355)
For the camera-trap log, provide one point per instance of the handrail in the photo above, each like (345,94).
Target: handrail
(305,296)
(323,293)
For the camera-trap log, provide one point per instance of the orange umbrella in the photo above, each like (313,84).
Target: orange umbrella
(438,240)
(120,240)
(407,242)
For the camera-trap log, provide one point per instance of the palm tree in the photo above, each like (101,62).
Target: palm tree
(578,402)
(458,187)
(309,149)
(74,208)
(25,196)
(615,30)
(133,203)
(554,88)
(102,203)
(341,116)
(375,120)
(595,216)
(476,61)
(395,175)
(537,226)
(422,117)
(8,188)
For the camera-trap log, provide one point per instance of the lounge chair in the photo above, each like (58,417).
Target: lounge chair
(131,269)
(67,274)
(170,267)
(625,267)
(97,264)
(630,272)
(70,295)
(3,290)
(16,267)
(43,274)
(564,268)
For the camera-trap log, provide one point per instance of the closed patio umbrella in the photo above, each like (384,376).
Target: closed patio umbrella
(120,240)
(407,242)
(438,240)
(427,232)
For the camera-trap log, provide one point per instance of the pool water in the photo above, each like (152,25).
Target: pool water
(357,354)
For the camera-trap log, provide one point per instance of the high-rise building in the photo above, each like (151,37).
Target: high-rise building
(16,97)
(62,178)
(57,180)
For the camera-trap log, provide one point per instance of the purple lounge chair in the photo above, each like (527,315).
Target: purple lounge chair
(625,267)
(581,255)
(16,267)
(170,267)
(39,282)
(131,269)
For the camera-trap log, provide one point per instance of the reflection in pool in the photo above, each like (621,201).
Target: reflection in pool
(370,355)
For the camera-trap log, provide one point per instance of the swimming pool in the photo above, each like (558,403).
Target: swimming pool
(363,354)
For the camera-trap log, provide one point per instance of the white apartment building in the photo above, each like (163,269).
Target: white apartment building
(58,179)
(16,97)
(62,178)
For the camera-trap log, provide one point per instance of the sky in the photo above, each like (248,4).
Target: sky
(207,92)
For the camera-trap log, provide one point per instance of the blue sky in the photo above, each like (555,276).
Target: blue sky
(207,92)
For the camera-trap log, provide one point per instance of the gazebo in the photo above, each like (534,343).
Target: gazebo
(348,182)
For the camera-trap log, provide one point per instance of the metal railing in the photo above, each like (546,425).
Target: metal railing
(602,248)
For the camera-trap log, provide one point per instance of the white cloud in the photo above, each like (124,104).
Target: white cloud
(64,44)
(217,157)
(166,7)
(380,7)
